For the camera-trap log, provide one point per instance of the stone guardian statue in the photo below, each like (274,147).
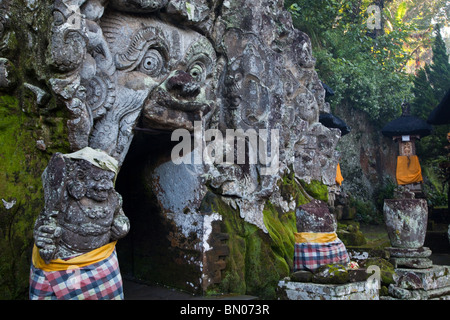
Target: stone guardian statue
(76,233)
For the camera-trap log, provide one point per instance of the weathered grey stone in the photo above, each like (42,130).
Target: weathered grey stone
(8,76)
(315,217)
(431,278)
(313,291)
(399,293)
(41,97)
(410,281)
(421,284)
(138,5)
(406,222)
(357,275)
(162,65)
(422,252)
(302,276)
(331,274)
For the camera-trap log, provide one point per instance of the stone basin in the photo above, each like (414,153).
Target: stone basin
(406,222)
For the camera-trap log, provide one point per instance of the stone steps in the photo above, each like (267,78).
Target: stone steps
(421,284)
(362,290)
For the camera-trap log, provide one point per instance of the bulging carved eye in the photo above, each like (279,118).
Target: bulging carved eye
(197,71)
(152,63)
(58,18)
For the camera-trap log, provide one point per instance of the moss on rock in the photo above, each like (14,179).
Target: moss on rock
(21,167)
(331,274)
(387,270)
(316,189)
(23,122)
(351,235)
(257,260)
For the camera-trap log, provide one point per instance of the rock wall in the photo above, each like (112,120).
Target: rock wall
(104,73)
(32,127)
(367,158)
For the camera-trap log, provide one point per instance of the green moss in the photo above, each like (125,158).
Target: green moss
(291,189)
(22,123)
(316,189)
(21,167)
(387,270)
(281,227)
(257,260)
(331,274)
(351,235)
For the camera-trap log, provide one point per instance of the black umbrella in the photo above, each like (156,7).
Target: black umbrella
(329,120)
(407,125)
(441,114)
(328,90)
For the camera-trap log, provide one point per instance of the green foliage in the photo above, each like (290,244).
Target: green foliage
(384,191)
(424,97)
(366,72)
(435,185)
(366,212)
(433,81)
(440,67)
(430,86)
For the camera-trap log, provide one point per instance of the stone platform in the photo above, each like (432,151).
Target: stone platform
(312,291)
(417,258)
(421,284)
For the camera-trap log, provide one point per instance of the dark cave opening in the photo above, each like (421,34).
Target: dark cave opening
(144,254)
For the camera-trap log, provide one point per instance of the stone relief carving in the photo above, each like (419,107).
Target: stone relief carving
(8,76)
(169,63)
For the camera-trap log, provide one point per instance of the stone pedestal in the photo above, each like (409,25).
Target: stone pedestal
(406,222)
(410,257)
(362,290)
(421,284)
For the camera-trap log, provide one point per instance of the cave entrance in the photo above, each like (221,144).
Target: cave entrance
(144,253)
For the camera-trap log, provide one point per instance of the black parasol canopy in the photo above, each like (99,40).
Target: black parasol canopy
(328,90)
(407,125)
(329,120)
(441,114)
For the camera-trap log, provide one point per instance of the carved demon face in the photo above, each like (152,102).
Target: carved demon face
(90,181)
(172,66)
(99,184)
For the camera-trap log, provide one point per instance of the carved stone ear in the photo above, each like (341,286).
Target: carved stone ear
(76,189)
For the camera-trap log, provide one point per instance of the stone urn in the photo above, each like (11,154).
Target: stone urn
(406,222)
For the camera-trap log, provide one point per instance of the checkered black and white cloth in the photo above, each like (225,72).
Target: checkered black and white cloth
(310,256)
(98,281)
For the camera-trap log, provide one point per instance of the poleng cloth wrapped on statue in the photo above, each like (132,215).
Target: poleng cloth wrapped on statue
(408,170)
(313,250)
(92,276)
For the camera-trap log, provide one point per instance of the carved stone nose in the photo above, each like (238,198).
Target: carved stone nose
(183,84)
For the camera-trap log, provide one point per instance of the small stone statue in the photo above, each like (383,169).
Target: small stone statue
(83,215)
(316,240)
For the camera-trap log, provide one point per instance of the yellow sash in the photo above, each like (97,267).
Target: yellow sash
(339,177)
(83,260)
(312,237)
(408,170)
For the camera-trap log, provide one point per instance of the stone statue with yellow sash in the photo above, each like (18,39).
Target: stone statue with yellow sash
(74,255)
(316,240)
